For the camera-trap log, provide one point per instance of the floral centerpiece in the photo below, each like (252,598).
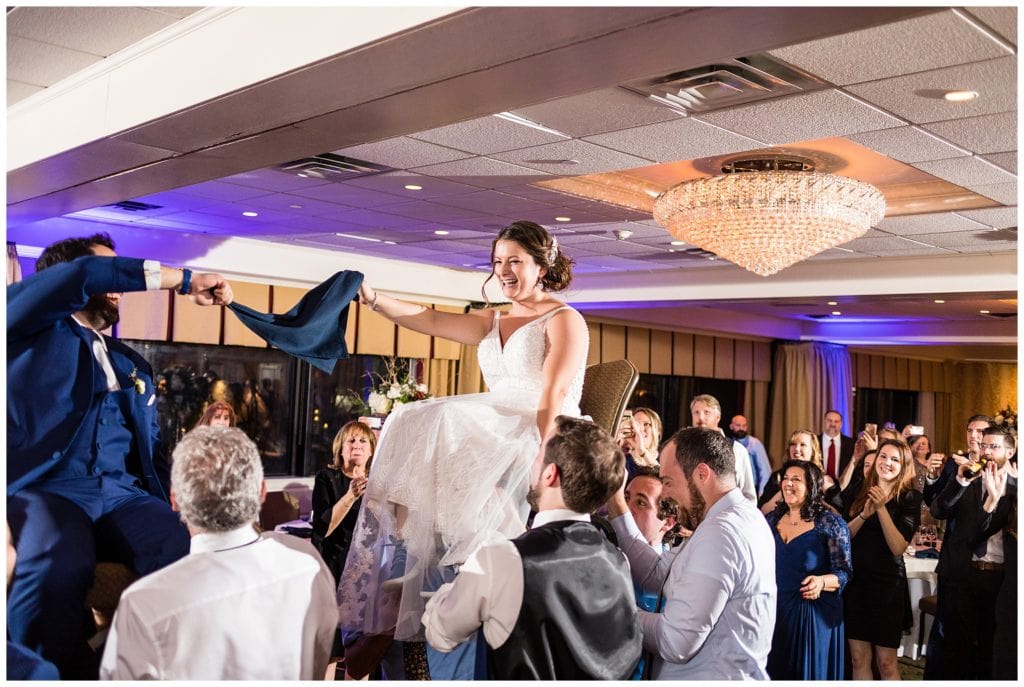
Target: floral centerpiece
(394,388)
(1007,417)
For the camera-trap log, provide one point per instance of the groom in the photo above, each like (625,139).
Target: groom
(557,602)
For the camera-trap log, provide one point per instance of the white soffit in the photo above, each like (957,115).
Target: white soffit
(904,47)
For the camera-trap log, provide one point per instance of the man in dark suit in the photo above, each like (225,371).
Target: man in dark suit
(971,564)
(836,447)
(82,480)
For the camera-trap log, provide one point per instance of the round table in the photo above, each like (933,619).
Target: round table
(922,581)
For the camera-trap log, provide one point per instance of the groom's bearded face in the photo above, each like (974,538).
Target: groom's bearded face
(102,310)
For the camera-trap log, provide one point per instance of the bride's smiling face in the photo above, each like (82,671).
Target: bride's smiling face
(516,270)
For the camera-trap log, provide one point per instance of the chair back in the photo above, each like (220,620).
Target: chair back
(607,388)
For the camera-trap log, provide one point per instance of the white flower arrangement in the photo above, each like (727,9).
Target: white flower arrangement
(394,388)
(1007,417)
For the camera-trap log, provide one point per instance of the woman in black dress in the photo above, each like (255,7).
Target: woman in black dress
(882,519)
(337,491)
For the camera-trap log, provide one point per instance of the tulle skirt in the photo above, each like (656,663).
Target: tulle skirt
(456,470)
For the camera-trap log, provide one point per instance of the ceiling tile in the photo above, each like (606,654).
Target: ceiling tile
(994,133)
(424,211)
(912,251)
(677,139)
(907,144)
(918,97)
(1007,161)
(172,201)
(483,172)
(1001,193)
(878,245)
(540,193)
(836,254)
(486,135)
(395,183)
(372,218)
(40,64)
(402,153)
(596,112)
(1002,19)
(965,171)
(495,202)
(286,201)
(1000,218)
(903,47)
(99,31)
(809,116)
(272,180)
(974,242)
(344,194)
(591,159)
(933,223)
(218,190)
(17,91)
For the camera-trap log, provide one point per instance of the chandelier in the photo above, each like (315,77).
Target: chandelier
(768,213)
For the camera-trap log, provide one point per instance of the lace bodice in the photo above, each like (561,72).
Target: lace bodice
(519,365)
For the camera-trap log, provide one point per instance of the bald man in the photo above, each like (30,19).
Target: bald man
(759,463)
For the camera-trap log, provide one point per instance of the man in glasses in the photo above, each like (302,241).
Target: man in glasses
(972,562)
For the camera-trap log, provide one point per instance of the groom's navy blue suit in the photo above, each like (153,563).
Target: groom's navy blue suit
(82,481)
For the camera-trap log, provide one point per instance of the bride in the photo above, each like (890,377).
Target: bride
(452,473)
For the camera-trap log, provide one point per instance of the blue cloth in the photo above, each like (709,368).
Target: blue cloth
(25,664)
(648,601)
(82,481)
(313,330)
(759,463)
(808,641)
(468,660)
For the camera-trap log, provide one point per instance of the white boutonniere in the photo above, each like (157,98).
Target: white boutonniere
(140,384)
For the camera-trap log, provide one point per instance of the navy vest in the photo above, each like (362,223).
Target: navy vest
(578,620)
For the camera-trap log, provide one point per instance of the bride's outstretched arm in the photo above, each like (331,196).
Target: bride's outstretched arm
(467,328)
(567,348)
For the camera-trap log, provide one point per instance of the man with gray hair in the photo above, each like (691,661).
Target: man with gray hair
(241,605)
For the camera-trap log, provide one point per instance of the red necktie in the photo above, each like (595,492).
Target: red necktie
(831,467)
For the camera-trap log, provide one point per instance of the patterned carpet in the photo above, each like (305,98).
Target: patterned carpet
(911,670)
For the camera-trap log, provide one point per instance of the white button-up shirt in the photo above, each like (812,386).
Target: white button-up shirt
(719,591)
(240,606)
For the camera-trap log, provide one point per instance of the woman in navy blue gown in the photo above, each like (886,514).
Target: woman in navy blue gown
(812,565)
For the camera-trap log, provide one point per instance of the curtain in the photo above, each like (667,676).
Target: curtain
(441,377)
(13,266)
(981,388)
(755,409)
(471,380)
(946,438)
(809,379)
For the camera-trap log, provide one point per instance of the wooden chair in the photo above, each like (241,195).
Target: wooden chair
(607,388)
(111,579)
(279,507)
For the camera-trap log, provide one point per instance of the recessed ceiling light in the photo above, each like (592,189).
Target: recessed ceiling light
(304,176)
(984,312)
(250,213)
(960,96)
(833,303)
(712,257)
(677,243)
(836,312)
(414,187)
(939,300)
(563,219)
(295,207)
(441,232)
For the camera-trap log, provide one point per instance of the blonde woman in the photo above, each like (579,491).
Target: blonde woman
(640,439)
(803,445)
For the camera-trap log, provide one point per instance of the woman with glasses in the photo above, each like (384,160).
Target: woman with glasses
(882,520)
(812,566)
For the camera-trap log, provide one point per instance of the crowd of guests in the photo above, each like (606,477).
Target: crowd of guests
(686,558)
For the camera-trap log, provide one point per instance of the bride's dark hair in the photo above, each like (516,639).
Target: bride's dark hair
(544,250)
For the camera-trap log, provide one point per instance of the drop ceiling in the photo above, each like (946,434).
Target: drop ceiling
(559,125)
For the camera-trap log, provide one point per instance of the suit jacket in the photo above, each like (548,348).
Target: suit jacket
(968,524)
(51,370)
(845,452)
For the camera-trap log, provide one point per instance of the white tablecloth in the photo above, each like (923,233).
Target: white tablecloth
(922,580)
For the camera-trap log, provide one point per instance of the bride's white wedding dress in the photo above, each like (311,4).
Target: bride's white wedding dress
(460,465)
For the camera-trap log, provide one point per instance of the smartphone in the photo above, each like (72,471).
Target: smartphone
(871,429)
(626,424)
(915,430)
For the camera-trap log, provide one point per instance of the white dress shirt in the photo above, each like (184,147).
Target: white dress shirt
(744,473)
(240,606)
(487,591)
(719,591)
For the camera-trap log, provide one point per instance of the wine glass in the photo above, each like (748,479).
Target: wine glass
(930,535)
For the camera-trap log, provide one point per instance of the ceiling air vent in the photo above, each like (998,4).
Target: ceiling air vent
(133,206)
(331,167)
(725,84)
(1000,315)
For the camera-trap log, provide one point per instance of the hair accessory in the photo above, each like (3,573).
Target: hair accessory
(553,253)
(186,281)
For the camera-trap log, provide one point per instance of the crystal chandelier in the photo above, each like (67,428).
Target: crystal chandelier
(768,213)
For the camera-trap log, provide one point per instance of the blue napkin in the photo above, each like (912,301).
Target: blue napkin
(314,330)
(926,553)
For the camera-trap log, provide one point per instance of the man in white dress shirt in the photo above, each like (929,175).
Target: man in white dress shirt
(555,603)
(836,447)
(240,605)
(719,587)
(706,412)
